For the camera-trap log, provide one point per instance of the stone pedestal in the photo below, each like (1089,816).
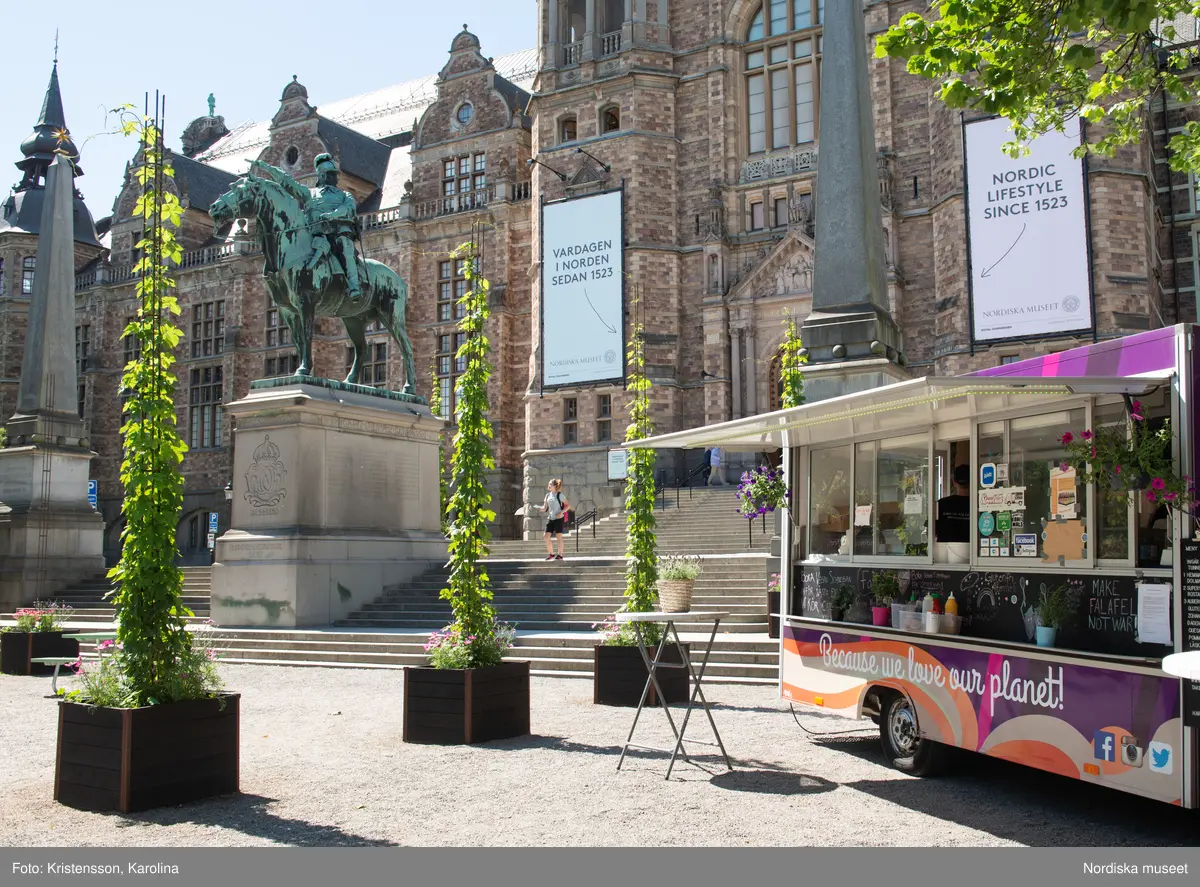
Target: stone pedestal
(829,380)
(50,537)
(335,498)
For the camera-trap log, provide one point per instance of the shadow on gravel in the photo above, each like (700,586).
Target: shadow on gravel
(1018,803)
(250,815)
(773,782)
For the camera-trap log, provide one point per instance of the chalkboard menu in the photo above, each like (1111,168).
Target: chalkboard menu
(1002,605)
(1190,598)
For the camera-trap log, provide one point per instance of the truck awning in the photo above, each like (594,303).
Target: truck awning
(900,408)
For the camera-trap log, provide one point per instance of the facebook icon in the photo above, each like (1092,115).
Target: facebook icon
(1104,746)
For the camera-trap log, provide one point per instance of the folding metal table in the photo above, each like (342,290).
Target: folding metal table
(670,620)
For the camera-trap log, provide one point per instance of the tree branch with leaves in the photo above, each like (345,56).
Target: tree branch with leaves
(1040,63)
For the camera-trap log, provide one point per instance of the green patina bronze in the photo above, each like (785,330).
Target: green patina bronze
(309,240)
(334,385)
(212,105)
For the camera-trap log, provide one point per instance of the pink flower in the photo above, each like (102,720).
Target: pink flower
(1067,437)
(1150,497)
(1116,469)
(1064,467)
(1093,452)
(1170,497)
(1087,435)
(1158,483)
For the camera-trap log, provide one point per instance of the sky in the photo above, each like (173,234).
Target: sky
(244,58)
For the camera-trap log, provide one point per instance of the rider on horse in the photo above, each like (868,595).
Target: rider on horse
(331,215)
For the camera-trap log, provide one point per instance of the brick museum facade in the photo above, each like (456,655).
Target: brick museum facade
(706,112)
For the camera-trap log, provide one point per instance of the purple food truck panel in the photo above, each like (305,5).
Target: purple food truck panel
(1116,728)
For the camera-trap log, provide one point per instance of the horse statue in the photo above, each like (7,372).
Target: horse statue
(303,293)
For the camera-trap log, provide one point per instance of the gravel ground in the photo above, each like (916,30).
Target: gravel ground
(323,765)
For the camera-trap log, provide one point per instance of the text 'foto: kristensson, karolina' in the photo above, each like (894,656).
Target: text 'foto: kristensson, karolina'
(92,869)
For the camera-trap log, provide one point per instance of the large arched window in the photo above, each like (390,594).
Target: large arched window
(783,70)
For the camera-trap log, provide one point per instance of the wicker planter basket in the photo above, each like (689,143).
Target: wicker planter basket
(675,595)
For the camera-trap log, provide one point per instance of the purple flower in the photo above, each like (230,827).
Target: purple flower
(1067,437)
(1064,467)
(1170,497)
(1158,484)
(1086,435)
(1150,497)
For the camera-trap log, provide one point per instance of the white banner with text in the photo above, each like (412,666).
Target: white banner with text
(583,266)
(1029,254)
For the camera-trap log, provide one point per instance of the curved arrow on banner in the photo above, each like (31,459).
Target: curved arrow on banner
(988,271)
(607,325)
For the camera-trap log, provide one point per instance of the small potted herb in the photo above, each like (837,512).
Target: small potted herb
(885,587)
(677,574)
(1054,608)
(842,602)
(38,634)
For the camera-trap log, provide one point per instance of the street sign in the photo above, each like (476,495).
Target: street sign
(93,492)
(212,522)
(212,541)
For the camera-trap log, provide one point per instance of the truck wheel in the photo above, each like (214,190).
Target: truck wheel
(900,735)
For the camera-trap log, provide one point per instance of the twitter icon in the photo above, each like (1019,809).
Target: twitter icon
(1162,759)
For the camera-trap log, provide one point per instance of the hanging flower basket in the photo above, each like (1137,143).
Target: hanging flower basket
(760,491)
(1137,462)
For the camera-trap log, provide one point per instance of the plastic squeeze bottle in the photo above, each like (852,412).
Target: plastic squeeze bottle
(951,606)
(927,604)
(937,605)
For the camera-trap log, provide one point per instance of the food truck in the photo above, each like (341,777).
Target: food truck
(931,521)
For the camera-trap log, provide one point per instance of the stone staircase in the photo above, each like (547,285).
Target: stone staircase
(690,521)
(92,612)
(553,603)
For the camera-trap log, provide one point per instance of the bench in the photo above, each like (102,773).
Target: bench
(58,662)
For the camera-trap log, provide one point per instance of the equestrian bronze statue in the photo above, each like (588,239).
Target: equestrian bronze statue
(310,241)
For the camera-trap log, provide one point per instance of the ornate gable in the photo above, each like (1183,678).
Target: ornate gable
(787,269)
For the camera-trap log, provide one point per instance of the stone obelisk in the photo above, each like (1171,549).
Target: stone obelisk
(850,321)
(50,535)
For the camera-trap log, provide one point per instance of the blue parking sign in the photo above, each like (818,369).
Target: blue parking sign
(93,491)
(212,522)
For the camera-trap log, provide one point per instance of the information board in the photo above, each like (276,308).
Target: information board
(1190,598)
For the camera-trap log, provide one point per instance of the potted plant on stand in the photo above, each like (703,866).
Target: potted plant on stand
(149,725)
(618,671)
(677,575)
(468,693)
(885,587)
(1054,608)
(38,634)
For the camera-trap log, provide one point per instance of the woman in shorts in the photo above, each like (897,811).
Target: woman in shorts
(556,506)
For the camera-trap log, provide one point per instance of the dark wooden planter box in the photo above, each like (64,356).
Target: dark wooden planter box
(18,647)
(619,676)
(130,759)
(463,706)
(773,602)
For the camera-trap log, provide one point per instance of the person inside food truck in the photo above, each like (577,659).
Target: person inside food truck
(954,512)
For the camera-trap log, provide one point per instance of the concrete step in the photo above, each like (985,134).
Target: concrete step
(434,622)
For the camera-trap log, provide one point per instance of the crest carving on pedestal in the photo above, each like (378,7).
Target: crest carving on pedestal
(264,479)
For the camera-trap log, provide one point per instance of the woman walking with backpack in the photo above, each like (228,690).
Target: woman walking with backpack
(556,505)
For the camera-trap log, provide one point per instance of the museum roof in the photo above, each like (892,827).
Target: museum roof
(202,184)
(377,114)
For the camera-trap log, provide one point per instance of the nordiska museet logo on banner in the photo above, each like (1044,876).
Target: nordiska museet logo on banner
(1069,305)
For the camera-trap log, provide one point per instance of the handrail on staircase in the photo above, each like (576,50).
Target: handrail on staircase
(580,521)
(679,484)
